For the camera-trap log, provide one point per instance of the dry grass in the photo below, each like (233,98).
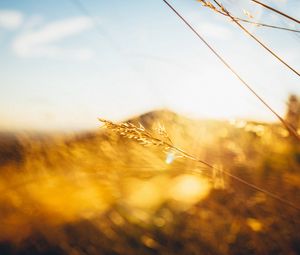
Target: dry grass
(112,192)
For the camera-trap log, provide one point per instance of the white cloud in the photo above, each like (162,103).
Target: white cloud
(10,19)
(215,31)
(33,22)
(44,42)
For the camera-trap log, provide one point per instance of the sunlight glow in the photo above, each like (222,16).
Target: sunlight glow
(189,189)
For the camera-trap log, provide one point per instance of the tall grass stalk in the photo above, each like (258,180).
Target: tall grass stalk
(160,138)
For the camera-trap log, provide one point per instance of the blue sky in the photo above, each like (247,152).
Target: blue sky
(58,70)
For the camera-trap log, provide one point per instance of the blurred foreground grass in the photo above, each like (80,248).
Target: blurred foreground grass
(98,193)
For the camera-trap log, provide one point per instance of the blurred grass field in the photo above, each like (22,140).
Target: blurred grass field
(99,193)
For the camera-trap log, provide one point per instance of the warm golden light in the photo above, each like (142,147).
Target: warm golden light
(189,189)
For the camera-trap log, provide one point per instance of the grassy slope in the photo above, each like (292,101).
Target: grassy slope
(97,193)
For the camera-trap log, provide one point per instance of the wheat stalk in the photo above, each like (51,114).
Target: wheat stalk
(221,10)
(161,138)
(158,137)
(139,133)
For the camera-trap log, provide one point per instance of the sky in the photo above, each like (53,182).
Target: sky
(60,68)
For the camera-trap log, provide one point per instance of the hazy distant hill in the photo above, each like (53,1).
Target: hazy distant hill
(13,146)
